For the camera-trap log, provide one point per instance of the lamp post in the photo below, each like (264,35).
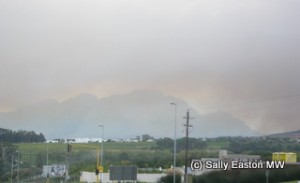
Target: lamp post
(18,166)
(47,162)
(175,126)
(12,168)
(47,154)
(101,159)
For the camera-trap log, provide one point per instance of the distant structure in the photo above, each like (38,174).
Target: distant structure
(288,157)
(90,177)
(223,156)
(123,173)
(93,140)
(54,170)
(76,140)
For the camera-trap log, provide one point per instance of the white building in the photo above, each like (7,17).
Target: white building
(90,177)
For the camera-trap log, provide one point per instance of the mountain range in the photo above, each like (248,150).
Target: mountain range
(123,116)
(291,134)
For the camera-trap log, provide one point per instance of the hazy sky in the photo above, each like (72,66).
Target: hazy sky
(242,57)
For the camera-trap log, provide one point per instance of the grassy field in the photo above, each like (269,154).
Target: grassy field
(83,156)
(113,146)
(27,148)
(29,151)
(217,145)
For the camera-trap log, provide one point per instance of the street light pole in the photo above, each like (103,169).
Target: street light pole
(18,166)
(12,168)
(47,162)
(101,160)
(175,129)
(47,154)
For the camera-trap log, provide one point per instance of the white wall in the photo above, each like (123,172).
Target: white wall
(91,177)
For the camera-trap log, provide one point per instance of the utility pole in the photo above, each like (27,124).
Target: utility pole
(69,150)
(187,125)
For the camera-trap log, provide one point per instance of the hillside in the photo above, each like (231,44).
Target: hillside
(291,134)
(124,116)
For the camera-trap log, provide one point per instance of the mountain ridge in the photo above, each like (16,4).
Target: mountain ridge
(288,134)
(126,115)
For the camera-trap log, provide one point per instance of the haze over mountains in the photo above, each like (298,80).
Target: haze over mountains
(290,134)
(124,116)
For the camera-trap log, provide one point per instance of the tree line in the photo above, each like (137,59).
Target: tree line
(168,143)
(259,144)
(19,136)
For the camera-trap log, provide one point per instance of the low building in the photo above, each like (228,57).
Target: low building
(288,157)
(90,177)
(223,156)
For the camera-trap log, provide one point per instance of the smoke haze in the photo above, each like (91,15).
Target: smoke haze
(240,57)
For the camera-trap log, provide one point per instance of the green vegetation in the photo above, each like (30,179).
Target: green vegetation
(148,156)
(7,152)
(20,136)
(250,175)
(169,178)
(262,144)
(167,143)
(83,156)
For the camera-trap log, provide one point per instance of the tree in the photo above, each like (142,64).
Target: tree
(164,143)
(167,143)
(169,179)
(7,150)
(20,136)
(138,138)
(147,137)
(124,156)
